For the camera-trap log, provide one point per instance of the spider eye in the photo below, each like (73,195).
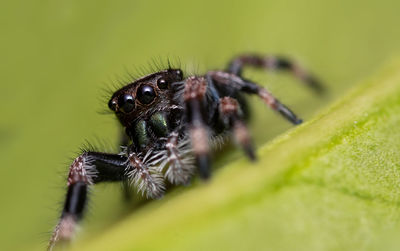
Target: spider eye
(162,83)
(145,94)
(179,74)
(112,104)
(126,103)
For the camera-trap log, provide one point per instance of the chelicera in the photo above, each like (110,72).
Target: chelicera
(170,123)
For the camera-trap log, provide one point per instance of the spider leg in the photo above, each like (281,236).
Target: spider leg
(231,114)
(144,176)
(225,82)
(274,63)
(86,170)
(126,187)
(195,98)
(179,160)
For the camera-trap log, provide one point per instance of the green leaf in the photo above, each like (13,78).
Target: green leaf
(329,184)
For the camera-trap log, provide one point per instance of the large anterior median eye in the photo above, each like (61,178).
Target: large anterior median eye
(126,103)
(145,94)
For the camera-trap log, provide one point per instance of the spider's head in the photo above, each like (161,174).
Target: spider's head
(144,96)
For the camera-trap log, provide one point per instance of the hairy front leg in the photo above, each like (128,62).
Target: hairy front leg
(144,175)
(86,170)
(179,160)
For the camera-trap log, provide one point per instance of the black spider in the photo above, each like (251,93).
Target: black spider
(171,122)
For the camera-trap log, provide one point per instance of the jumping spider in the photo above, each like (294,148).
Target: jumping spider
(170,121)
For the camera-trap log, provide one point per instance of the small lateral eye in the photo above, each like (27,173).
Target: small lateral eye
(145,94)
(126,103)
(112,104)
(162,84)
(179,74)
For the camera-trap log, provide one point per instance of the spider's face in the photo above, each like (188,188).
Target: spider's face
(145,96)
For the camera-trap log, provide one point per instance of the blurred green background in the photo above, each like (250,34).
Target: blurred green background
(58,55)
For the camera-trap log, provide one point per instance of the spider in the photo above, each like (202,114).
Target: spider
(171,122)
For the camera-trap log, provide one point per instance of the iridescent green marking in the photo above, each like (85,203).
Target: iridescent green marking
(159,124)
(141,133)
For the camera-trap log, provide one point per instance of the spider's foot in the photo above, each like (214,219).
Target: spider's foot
(203,163)
(64,231)
(288,114)
(243,138)
(298,121)
(249,150)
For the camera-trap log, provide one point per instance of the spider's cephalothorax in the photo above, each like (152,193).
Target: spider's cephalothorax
(171,122)
(147,109)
